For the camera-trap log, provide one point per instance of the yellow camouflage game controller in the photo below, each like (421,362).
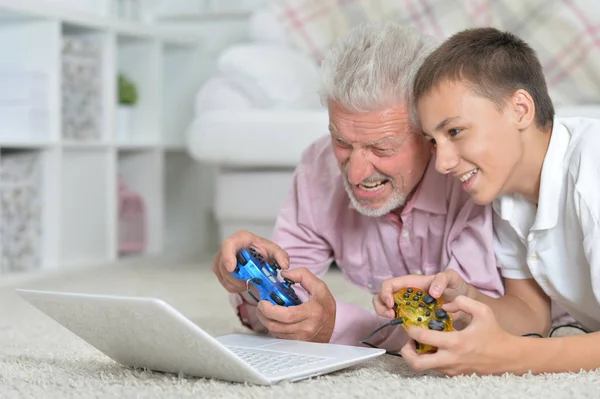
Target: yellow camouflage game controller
(417,308)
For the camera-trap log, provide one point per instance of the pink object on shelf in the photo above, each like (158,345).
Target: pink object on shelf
(132,220)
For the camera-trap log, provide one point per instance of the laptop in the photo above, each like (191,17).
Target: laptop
(148,333)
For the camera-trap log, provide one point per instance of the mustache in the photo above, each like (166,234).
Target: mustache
(375,177)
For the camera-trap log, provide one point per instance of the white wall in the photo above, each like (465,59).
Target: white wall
(181,171)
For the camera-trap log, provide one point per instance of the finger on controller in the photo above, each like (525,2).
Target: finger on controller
(252,268)
(274,265)
(288,281)
(415,307)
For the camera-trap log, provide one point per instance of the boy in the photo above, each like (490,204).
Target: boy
(482,100)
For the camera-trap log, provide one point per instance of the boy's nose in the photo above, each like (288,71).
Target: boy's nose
(446,158)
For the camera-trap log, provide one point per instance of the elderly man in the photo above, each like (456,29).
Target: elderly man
(368,197)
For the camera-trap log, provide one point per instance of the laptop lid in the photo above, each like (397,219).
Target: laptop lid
(143,333)
(149,333)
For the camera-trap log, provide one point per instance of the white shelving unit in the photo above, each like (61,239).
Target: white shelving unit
(74,219)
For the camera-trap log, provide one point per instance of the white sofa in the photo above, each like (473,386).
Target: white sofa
(254,119)
(256,152)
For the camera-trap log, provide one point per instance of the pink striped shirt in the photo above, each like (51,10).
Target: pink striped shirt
(440,227)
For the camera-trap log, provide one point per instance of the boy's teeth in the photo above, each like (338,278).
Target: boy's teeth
(468,175)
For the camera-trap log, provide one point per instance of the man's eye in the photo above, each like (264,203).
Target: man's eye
(454,132)
(383,151)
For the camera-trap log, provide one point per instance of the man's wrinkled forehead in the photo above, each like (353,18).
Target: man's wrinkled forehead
(394,120)
(388,138)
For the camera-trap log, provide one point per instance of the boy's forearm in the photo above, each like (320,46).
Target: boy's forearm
(556,355)
(513,314)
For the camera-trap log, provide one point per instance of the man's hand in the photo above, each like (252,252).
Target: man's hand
(225,262)
(447,284)
(311,321)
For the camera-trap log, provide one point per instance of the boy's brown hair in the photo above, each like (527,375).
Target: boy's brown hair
(495,64)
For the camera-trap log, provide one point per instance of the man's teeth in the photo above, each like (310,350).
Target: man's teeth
(468,175)
(372,185)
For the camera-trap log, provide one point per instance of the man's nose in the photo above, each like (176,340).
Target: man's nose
(446,157)
(358,167)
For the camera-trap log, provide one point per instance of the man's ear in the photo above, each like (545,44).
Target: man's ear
(523,108)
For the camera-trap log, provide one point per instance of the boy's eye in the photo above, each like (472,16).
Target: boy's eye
(429,138)
(453,132)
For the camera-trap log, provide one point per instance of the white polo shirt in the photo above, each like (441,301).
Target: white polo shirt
(559,245)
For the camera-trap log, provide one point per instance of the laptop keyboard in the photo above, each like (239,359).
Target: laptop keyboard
(267,361)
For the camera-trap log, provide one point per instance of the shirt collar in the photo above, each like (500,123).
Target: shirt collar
(429,195)
(551,179)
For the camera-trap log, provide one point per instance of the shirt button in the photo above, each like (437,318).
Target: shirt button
(534,257)
(419,272)
(370,286)
(405,233)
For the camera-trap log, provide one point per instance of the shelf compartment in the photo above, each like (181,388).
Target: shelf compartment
(12,11)
(29,77)
(132,222)
(86,205)
(84,75)
(20,210)
(139,61)
(142,172)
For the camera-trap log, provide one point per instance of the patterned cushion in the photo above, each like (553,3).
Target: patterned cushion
(564,33)
(566,36)
(312,25)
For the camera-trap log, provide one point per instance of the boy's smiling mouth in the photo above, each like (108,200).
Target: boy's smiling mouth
(465,177)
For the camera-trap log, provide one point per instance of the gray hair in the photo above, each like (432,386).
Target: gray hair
(374,67)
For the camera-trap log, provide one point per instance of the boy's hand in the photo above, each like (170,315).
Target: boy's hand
(483,347)
(447,284)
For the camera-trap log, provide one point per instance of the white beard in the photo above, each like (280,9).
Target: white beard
(396,200)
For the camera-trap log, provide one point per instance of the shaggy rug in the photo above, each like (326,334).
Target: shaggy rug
(41,359)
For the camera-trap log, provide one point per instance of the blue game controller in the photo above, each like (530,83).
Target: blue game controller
(252,267)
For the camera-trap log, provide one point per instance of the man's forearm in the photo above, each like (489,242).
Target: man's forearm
(354,323)
(513,314)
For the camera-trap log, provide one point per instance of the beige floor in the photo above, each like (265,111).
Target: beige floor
(40,359)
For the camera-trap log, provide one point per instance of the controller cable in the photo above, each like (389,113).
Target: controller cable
(399,320)
(568,325)
(554,329)
(393,322)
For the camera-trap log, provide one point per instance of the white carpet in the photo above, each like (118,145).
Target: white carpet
(40,359)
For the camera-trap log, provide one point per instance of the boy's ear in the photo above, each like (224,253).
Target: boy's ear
(523,108)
